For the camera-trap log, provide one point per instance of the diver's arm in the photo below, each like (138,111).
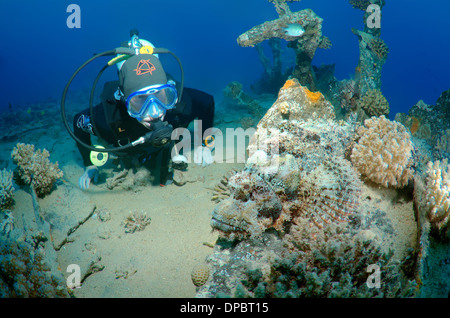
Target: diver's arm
(90,174)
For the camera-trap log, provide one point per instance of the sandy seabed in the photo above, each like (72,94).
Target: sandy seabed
(88,229)
(154,262)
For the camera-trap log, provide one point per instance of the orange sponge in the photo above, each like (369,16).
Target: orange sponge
(312,96)
(289,83)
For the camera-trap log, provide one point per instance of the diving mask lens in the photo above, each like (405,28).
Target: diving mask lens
(140,102)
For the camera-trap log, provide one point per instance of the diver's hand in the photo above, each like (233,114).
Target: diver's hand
(90,174)
(179,162)
(203,156)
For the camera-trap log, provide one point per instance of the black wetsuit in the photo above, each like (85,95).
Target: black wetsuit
(117,128)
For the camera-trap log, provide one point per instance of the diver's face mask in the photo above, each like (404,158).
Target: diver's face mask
(152,101)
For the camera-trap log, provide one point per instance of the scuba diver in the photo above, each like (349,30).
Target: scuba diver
(144,101)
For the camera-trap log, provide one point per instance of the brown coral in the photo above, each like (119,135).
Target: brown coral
(25,273)
(325,43)
(443,143)
(360,4)
(34,168)
(384,152)
(6,189)
(379,47)
(136,221)
(438,193)
(200,274)
(374,103)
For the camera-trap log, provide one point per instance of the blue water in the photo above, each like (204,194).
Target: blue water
(39,52)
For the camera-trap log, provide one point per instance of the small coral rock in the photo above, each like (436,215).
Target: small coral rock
(200,274)
(136,221)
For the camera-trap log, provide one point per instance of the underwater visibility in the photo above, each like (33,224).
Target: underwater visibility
(159,168)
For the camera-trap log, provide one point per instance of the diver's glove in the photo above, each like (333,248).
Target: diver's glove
(179,162)
(203,156)
(160,134)
(90,174)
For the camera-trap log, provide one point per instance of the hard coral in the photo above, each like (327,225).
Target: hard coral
(379,47)
(284,108)
(34,168)
(374,103)
(136,221)
(384,152)
(325,43)
(331,264)
(23,272)
(360,4)
(443,143)
(200,274)
(7,224)
(6,189)
(438,193)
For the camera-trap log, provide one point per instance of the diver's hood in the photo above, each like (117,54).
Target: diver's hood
(141,71)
